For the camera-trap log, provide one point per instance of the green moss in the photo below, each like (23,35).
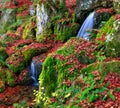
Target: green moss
(16,62)
(65,31)
(28,54)
(29,29)
(6,77)
(105,30)
(47,33)
(104,67)
(48,77)
(3,54)
(10,78)
(55,70)
(112,44)
(40,38)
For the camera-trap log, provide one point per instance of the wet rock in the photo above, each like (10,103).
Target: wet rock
(84,7)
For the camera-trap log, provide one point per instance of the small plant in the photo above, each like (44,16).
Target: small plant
(22,104)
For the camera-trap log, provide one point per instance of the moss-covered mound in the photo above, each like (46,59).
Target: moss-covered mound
(91,87)
(66,64)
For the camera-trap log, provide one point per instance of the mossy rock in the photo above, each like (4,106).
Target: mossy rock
(48,76)
(112,47)
(108,38)
(101,18)
(28,54)
(16,62)
(107,29)
(57,66)
(104,67)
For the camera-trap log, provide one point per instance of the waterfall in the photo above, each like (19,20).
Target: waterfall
(86,27)
(35,70)
(42,18)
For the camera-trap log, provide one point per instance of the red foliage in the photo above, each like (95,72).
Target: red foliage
(114,83)
(117,16)
(52,100)
(9,92)
(12,47)
(22,75)
(12,35)
(20,3)
(105,10)
(67,82)
(52,48)
(102,38)
(71,4)
(23,13)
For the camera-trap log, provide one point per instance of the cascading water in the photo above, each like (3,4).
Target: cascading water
(42,18)
(35,70)
(86,27)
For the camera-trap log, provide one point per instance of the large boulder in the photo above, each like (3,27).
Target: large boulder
(21,58)
(73,56)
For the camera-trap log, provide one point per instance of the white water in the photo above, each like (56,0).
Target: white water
(34,74)
(86,27)
(42,18)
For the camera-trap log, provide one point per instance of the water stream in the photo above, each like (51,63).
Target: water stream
(35,70)
(86,27)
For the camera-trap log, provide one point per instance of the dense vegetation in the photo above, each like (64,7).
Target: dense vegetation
(76,73)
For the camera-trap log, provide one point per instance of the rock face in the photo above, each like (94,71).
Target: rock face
(84,7)
(21,58)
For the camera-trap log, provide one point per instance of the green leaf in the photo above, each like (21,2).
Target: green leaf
(111,96)
(104,98)
(93,97)
(118,89)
